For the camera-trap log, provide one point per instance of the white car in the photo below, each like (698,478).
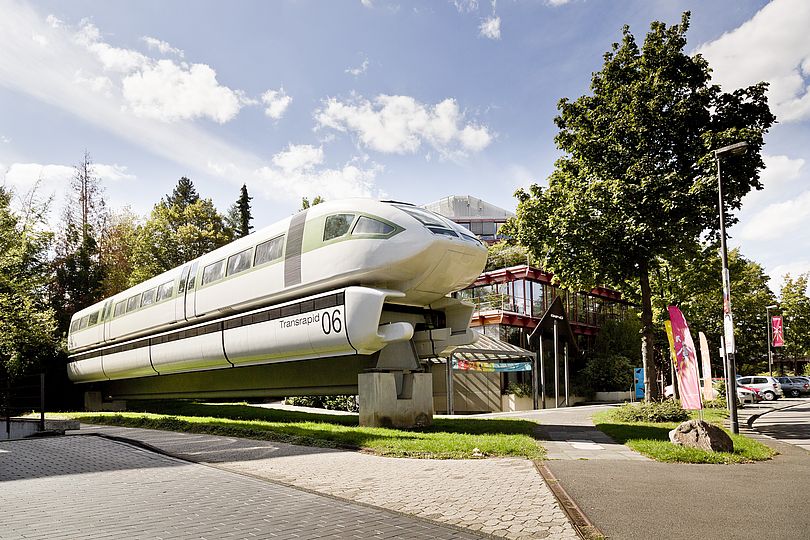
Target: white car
(769,387)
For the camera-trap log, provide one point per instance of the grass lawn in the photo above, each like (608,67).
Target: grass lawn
(652,440)
(445,439)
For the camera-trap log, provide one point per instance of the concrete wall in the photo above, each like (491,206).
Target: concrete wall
(473,392)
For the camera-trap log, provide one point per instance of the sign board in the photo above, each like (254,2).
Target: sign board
(777,331)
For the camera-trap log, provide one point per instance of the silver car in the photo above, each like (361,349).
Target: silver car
(769,387)
(794,386)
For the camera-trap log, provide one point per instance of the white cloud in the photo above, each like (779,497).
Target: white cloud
(794,268)
(779,220)
(277,102)
(53,178)
(301,157)
(100,84)
(466,6)
(367,3)
(399,125)
(162,46)
(4,139)
(168,92)
(112,58)
(491,28)
(53,22)
(772,46)
(40,39)
(778,174)
(112,173)
(359,70)
(555,3)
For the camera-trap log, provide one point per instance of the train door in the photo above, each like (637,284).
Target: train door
(180,301)
(190,292)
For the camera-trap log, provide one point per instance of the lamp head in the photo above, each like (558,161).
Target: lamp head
(735,149)
(771,307)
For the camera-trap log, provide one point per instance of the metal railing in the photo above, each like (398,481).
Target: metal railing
(22,395)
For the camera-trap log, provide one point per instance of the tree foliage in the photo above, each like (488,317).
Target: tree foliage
(306,204)
(795,305)
(181,227)
(239,215)
(116,251)
(504,254)
(636,184)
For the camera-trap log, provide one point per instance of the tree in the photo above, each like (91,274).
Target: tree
(306,204)
(116,251)
(504,254)
(78,272)
(27,323)
(180,228)
(636,184)
(795,305)
(239,215)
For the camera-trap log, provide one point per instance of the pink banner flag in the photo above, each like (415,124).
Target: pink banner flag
(686,358)
(777,331)
(708,393)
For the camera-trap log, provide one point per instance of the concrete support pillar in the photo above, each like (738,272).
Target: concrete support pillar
(382,406)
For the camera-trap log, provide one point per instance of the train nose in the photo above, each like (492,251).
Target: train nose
(456,269)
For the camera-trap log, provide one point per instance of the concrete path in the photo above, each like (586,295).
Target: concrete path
(90,487)
(786,420)
(503,497)
(568,434)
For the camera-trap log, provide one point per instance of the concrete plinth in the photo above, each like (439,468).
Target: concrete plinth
(381,406)
(93,402)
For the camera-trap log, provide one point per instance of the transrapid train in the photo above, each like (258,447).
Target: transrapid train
(350,277)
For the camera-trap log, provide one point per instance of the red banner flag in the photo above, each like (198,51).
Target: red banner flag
(686,357)
(777,332)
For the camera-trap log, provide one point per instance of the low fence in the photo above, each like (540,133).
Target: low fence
(22,395)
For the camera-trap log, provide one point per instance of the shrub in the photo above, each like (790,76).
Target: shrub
(651,411)
(332,403)
(519,389)
(719,403)
(610,373)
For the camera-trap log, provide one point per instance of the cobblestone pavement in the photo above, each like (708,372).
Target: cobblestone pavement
(90,487)
(568,434)
(503,497)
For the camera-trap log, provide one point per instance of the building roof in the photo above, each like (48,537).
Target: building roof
(466,206)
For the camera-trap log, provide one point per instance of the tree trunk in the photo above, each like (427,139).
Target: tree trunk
(647,335)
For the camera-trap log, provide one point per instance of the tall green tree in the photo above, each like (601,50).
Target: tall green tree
(78,271)
(239,215)
(181,227)
(637,181)
(27,323)
(117,251)
(305,203)
(795,305)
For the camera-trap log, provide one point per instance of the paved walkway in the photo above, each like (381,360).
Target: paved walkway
(568,434)
(90,487)
(786,420)
(503,497)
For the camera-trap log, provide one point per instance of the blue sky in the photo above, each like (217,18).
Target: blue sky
(395,99)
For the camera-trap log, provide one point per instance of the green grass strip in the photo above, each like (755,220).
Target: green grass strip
(652,440)
(445,439)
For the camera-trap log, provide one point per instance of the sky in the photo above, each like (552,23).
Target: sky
(393,99)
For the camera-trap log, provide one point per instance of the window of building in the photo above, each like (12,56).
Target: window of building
(538,299)
(367,225)
(519,295)
(120,308)
(488,228)
(132,303)
(212,272)
(148,297)
(165,291)
(465,224)
(476,227)
(239,262)
(269,251)
(337,226)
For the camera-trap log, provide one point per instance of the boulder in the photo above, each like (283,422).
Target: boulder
(702,435)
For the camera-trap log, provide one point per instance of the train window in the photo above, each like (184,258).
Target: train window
(165,291)
(120,308)
(83,322)
(366,225)
(212,272)
(74,325)
(192,277)
(132,303)
(148,297)
(93,318)
(269,251)
(337,225)
(239,262)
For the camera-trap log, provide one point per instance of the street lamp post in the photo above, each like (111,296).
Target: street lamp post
(770,337)
(728,322)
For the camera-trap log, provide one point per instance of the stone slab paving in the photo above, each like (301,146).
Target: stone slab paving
(90,487)
(503,497)
(568,433)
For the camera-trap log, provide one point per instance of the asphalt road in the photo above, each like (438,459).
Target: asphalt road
(641,500)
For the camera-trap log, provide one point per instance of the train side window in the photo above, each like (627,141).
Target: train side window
(165,291)
(148,297)
(212,272)
(192,277)
(74,325)
(337,225)
(83,322)
(132,303)
(93,318)
(239,262)
(269,251)
(367,225)
(120,308)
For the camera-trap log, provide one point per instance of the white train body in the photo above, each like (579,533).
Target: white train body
(314,285)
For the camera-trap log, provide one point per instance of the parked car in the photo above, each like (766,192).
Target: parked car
(748,395)
(769,387)
(794,386)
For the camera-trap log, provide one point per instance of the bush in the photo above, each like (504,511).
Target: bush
(651,411)
(332,403)
(612,373)
(519,389)
(719,403)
